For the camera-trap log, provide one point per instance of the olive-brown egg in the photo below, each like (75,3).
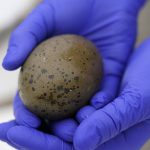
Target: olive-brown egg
(60,76)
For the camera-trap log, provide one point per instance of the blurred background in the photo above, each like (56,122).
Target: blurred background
(11,14)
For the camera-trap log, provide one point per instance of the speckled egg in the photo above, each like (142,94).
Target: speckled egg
(60,76)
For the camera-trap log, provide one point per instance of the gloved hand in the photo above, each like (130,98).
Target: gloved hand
(97,126)
(131,107)
(111,25)
(54,17)
(25,138)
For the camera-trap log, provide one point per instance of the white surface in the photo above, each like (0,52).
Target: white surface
(6,114)
(8,80)
(10,10)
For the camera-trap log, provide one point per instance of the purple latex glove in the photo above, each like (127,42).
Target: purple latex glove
(111,25)
(124,112)
(24,138)
(102,28)
(131,107)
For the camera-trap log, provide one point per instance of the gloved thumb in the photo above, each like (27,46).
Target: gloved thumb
(36,27)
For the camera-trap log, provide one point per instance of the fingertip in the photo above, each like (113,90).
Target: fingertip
(21,44)
(109,90)
(24,117)
(78,140)
(9,64)
(99,100)
(16,135)
(84,113)
(4,127)
(29,138)
(30,120)
(65,129)
(81,140)
(12,133)
(88,133)
(12,59)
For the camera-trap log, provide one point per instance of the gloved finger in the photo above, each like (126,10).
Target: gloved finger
(106,123)
(109,90)
(114,55)
(23,115)
(4,127)
(84,113)
(142,2)
(32,31)
(64,129)
(111,36)
(30,138)
(133,138)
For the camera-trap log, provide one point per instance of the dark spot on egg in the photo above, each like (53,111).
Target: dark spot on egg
(65,80)
(35,106)
(43,110)
(33,89)
(61,103)
(22,69)
(58,96)
(51,76)
(51,96)
(43,71)
(30,81)
(41,97)
(93,64)
(53,102)
(77,101)
(60,88)
(65,110)
(69,59)
(33,66)
(39,76)
(76,78)
(66,90)
(66,75)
